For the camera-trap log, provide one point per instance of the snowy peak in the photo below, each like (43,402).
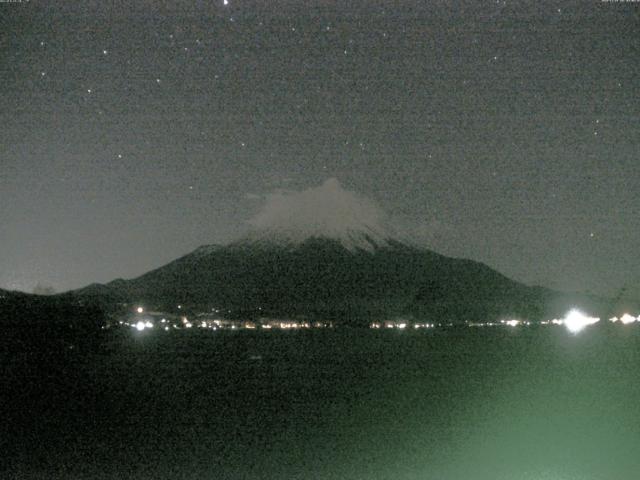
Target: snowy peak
(328,211)
(352,240)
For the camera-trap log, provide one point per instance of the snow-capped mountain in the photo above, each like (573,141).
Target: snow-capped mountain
(323,278)
(325,252)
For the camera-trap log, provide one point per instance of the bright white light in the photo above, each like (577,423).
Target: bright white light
(140,309)
(402,325)
(613,319)
(148,324)
(626,319)
(512,323)
(576,321)
(188,325)
(140,326)
(225,2)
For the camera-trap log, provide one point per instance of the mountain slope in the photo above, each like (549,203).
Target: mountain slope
(354,281)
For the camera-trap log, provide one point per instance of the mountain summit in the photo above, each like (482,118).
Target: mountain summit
(328,211)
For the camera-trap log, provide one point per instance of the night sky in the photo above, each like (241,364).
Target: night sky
(506,132)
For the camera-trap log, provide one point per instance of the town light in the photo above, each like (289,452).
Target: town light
(575,321)
(626,319)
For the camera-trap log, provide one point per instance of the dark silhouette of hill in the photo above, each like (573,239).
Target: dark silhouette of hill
(42,323)
(321,278)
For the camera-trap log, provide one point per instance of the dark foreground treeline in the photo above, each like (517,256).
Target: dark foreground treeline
(43,323)
(46,395)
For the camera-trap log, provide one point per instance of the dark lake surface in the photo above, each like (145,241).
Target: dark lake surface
(459,403)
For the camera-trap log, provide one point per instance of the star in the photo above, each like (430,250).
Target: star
(104,52)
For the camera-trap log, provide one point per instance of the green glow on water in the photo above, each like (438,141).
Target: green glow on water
(501,404)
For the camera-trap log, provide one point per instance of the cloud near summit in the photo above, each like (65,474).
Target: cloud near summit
(326,210)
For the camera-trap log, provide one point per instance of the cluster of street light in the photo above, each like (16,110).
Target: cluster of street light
(575,321)
(625,319)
